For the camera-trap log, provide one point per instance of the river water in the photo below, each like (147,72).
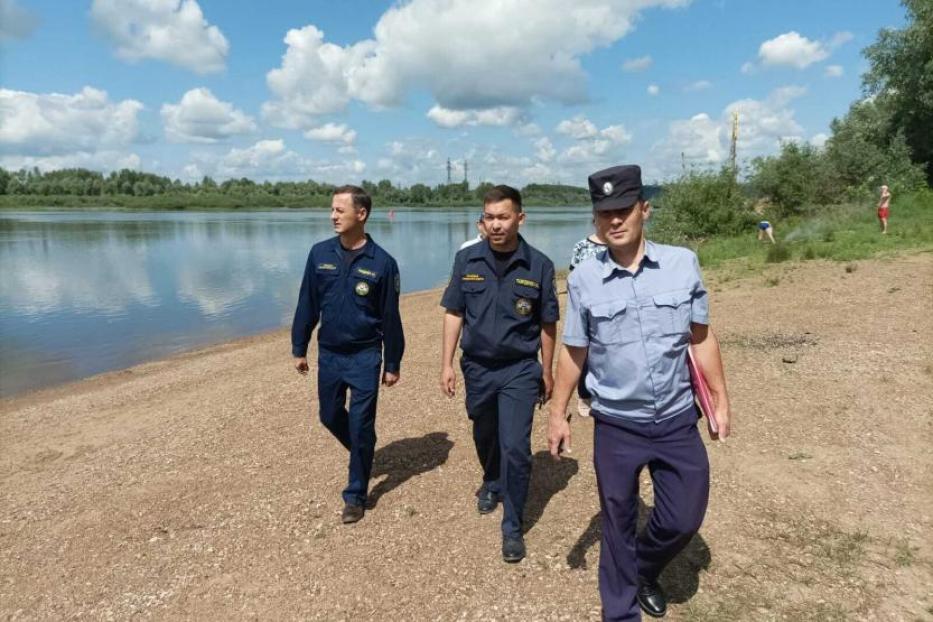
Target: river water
(83,292)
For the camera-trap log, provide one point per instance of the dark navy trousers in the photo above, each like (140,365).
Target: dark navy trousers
(676,458)
(500,401)
(354,427)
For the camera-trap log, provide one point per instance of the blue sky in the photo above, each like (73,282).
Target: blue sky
(524,90)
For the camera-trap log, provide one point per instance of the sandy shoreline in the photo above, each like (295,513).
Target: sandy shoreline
(201,486)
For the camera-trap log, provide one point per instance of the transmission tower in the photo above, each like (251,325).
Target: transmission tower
(466,169)
(733,143)
(448,170)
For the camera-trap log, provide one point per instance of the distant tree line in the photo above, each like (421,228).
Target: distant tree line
(80,186)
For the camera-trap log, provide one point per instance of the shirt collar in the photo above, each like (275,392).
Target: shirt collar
(610,266)
(484,251)
(368,249)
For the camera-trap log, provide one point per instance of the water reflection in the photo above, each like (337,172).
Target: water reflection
(88,291)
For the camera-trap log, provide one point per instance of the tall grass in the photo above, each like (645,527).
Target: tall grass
(841,233)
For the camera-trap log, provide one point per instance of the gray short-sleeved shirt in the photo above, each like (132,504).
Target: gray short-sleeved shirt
(637,330)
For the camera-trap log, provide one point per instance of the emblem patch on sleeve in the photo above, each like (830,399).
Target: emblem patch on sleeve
(523,306)
(362,288)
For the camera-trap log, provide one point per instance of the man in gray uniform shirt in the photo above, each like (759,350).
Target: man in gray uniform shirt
(632,312)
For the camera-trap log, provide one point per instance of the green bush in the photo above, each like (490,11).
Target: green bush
(700,205)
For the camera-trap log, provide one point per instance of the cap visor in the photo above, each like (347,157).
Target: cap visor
(625,201)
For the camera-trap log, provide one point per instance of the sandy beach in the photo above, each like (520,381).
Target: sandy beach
(203,487)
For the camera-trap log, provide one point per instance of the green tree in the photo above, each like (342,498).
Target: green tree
(799,175)
(700,204)
(866,150)
(901,77)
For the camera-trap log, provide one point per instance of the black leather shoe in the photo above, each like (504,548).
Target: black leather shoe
(352,513)
(652,599)
(486,501)
(513,549)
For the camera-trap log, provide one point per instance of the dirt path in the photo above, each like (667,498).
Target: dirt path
(202,487)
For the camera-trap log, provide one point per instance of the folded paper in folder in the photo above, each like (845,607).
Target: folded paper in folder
(701,394)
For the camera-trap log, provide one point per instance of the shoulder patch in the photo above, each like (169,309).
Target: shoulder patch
(528,283)
(470,276)
(326,266)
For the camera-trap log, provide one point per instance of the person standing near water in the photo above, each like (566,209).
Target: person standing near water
(632,311)
(501,295)
(884,209)
(354,284)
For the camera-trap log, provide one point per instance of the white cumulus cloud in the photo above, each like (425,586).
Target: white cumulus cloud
(15,21)
(332,133)
(819,140)
(792,49)
(174,31)
(434,45)
(578,127)
(202,118)
(834,71)
(703,140)
(592,143)
(653,89)
(272,160)
(106,160)
(544,150)
(496,116)
(637,64)
(42,124)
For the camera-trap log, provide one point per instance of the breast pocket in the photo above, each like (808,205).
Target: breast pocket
(526,301)
(613,322)
(326,280)
(671,312)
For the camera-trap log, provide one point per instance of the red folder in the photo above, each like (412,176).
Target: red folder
(701,394)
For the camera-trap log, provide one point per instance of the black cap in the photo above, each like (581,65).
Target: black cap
(618,187)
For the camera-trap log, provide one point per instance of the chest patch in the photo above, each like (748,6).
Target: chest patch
(326,266)
(528,283)
(472,277)
(361,288)
(366,272)
(523,306)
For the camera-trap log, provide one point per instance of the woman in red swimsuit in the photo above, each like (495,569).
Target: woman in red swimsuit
(884,208)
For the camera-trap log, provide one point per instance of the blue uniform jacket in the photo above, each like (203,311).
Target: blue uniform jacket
(502,318)
(356,304)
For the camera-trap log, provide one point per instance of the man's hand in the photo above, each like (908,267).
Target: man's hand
(448,381)
(389,379)
(558,433)
(301,364)
(723,419)
(548,385)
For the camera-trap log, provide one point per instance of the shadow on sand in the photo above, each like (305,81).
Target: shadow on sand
(680,579)
(406,458)
(548,477)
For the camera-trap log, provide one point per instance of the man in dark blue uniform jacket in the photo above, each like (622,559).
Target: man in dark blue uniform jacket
(501,295)
(352,285)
